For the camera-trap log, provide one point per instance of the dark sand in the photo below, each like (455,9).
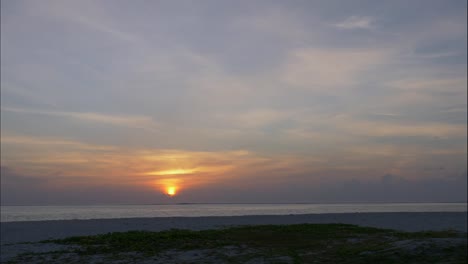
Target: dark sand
(14,232)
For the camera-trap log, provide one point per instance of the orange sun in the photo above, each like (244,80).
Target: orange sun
(171,191)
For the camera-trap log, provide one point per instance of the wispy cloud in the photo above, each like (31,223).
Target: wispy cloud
(131,121)
(379,129)
(25,140)
(274,22)
(87,14)
(431,84)
(330,69)
(103,28)
(356,22)
(435,55)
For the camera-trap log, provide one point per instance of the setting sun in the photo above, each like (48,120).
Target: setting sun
(171,191)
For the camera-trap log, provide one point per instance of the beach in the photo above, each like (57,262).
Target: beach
(13,233)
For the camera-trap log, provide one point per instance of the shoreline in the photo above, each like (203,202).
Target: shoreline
(183,203)
(31,231)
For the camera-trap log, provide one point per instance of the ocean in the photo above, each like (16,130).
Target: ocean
(40,213)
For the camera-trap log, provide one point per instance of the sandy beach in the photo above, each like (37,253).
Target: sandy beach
(14,232)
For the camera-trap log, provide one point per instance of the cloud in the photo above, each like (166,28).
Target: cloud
(330,70)
(275,22)
(16,188)
(37,98)
(103,28)
(26,189)
(356,22)
(455,110)
(388,188)
(46,156)
(256,118)
(87,14)
(436,55)
(426,91)
(381,129)
(443,28)
(19,188)
(398,189)
(432,84)
(143,122)
(24,140)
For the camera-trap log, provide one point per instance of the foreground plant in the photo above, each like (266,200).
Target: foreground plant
(304,243)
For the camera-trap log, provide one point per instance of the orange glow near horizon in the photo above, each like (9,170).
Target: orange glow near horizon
(172,172)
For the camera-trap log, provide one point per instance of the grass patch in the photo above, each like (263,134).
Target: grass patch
(303,243)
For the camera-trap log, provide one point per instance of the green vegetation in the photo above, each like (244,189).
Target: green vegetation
(304,243)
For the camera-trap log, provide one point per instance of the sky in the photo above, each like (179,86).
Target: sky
(121,102)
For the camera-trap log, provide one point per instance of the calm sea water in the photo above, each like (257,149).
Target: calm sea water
(39,213)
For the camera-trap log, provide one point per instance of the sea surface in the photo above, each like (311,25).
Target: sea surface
(40,213)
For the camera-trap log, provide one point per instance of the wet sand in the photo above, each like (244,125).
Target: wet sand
(14,232)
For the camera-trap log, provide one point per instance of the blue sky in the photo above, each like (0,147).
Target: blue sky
(227,98)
